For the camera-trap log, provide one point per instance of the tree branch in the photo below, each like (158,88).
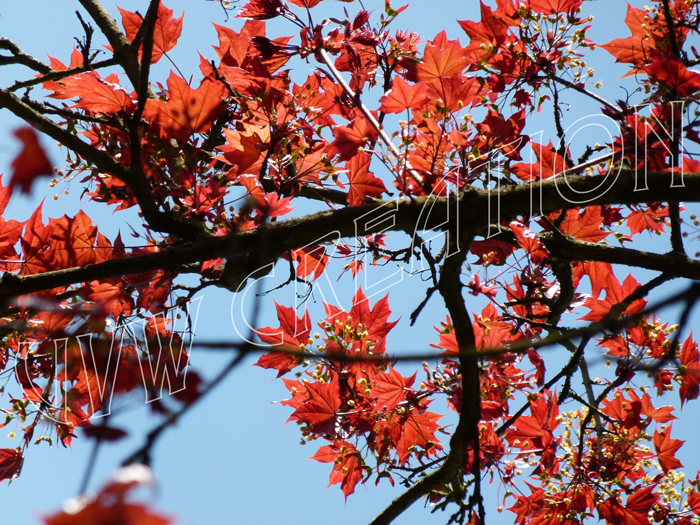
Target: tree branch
(53,75)
(123,54)
(244,247)
(20,57)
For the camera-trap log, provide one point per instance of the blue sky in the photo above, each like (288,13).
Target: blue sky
(233,458)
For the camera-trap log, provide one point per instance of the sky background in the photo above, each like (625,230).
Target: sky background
(233,458)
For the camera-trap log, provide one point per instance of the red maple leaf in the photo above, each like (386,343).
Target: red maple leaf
(320,410)
(442,58)
(312,259)
(672,74)
(111,296)
(551,7)
(110,504)
(347,465)
(529,242)
(634,49)
(666,448)
(418,430)
(490,33)
(376,319)
(276,206)
(261,9)
(689,370)
(492,251)
(292,334)
(72,240)
(34,244)
(348,139)
(391,389)
(244,150)
(634,512)
(305,3)
(584,226)
(549,164)
(11,461)
(76,60)
(596,271)
(98,95)
(362,182)
(187,110)
(165,35)
(660,415)
(614,294)
(647,218)
(31,162)
(403,96)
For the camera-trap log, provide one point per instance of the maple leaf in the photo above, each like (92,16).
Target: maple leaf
(165,35)
(348,139)
(76,60)
(11,461)
(689,371)
(111,296)
(292,334)
(32,161)
(391,389)
(596,271)
(614,294)
(492,251)
(694,502)
(529,242)
(72,240)
(34,243)
(262,9)
(234,48)
(551,7)
(347,465)
(585,226)
(645,219)
(277,207)
(305,3)
(376,319)
(666,449)
(311,260)
(442,58)
(187,110)
(634,49)
(490,33)
(660,415)
(403,96)
(98,95)
(320,410)
(363,183)
(550,164)
(244,150)
(634,512)
(673,75)
(418,430)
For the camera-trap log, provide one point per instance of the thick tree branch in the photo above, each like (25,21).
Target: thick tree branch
(244,247)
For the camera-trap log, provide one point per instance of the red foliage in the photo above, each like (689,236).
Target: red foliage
(32,161)
(212,170)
